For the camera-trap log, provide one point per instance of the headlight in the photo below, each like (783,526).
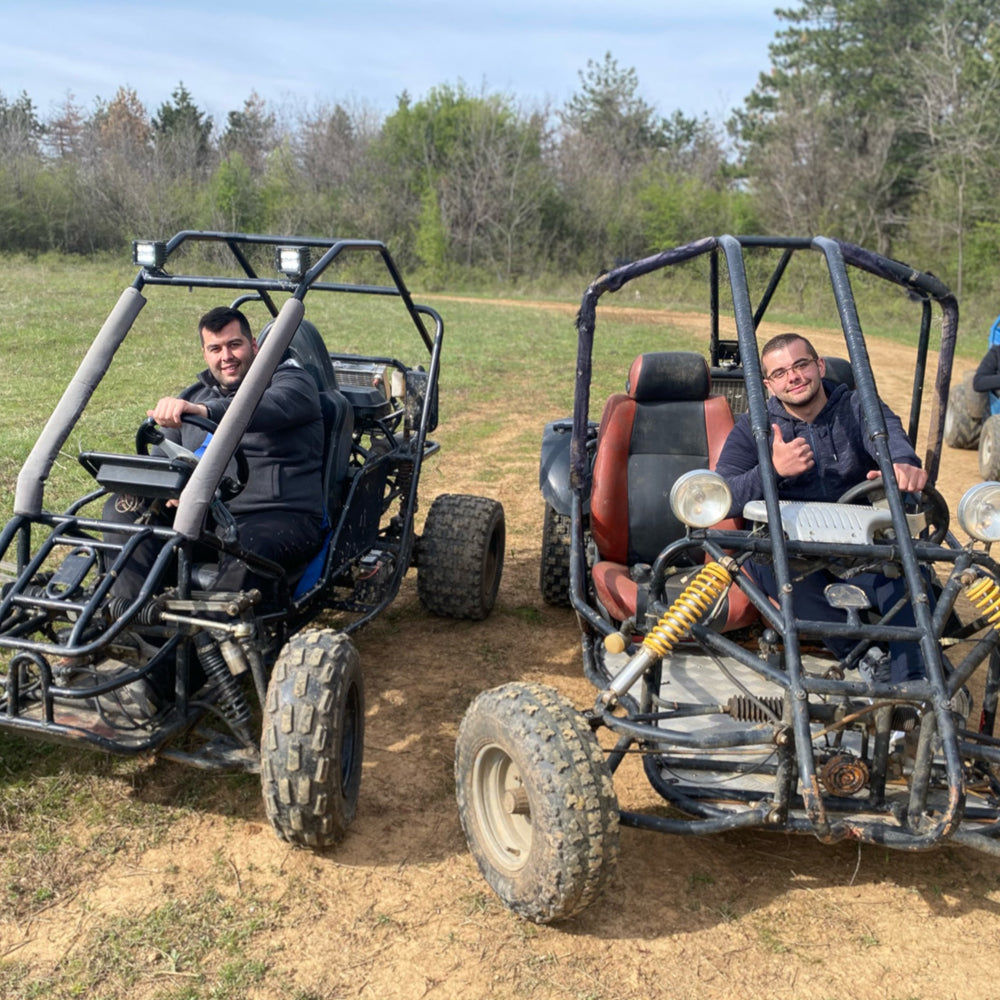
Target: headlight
(292,262)
(979,512)
(700,498)
(150,254)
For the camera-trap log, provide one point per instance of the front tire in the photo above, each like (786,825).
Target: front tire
(460,556)
(536,801)
(313,739)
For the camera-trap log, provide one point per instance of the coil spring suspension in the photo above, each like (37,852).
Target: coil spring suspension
(985,595)
(232,702)
(694,602)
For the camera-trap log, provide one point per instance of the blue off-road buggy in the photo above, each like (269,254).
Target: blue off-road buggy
(739,715)
(251,687)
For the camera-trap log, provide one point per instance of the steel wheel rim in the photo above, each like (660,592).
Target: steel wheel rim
(499,797)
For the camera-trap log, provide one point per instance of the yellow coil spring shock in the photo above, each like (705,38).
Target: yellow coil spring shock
(693,603)
(985,595)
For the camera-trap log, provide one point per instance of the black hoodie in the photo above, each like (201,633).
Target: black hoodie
(283,442)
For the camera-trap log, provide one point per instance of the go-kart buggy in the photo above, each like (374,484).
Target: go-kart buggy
(740,715)
(972,419)
(250,687)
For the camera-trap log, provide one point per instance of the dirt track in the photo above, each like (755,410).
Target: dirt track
(399,910)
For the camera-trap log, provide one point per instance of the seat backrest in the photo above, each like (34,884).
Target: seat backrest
(665,424)
(307,349)
(839,371)
(338,420)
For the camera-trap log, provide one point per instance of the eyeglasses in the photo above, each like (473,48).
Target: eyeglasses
(780,374)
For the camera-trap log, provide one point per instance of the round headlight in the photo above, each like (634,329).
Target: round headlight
(979,512)
(700,498)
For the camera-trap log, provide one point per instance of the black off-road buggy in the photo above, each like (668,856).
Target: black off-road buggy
(251,688)
(739,714)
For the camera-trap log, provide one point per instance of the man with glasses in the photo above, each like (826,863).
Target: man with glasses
(820,449)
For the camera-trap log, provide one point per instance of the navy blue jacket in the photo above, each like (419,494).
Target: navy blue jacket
(842,449)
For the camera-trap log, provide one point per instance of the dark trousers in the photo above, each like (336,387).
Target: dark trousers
(289,539)
(809,602)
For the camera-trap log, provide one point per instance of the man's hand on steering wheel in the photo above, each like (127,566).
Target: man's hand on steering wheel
(925,500)
(910,478)
(149,434)
(170,410)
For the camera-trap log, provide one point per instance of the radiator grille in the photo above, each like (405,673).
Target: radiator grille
(735,391)
(365,375)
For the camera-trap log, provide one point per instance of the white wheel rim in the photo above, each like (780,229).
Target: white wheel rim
(501,803)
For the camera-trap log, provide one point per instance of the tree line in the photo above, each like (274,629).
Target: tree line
(877,121)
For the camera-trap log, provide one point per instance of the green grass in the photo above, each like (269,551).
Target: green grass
(192,946)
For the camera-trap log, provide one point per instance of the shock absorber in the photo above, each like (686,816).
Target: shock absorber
(985,595)
(691,606)
(232,702)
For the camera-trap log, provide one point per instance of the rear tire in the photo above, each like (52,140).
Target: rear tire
(536,801)
(313,739)
(553,576)
(460,556)
(989,448)
(963,419)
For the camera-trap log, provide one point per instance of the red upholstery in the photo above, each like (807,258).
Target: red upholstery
(646,438)
(609,488)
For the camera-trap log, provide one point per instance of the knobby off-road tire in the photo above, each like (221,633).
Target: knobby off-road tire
(536,801)
(989,448)
(313,739)
(460,556)
(964,416)
(553,575)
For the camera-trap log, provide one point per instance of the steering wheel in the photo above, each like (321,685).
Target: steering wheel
(928,502)
(149,433)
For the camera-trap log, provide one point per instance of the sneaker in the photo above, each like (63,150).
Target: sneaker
(874,666)
(140,696)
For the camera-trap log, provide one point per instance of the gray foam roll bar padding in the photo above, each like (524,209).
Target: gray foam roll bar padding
(93,367)
(197,495)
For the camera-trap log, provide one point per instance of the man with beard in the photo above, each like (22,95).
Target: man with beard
(279,513)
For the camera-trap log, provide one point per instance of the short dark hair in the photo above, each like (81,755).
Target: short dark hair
(783,340)
(221,316)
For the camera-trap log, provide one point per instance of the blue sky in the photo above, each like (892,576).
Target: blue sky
(700,58)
